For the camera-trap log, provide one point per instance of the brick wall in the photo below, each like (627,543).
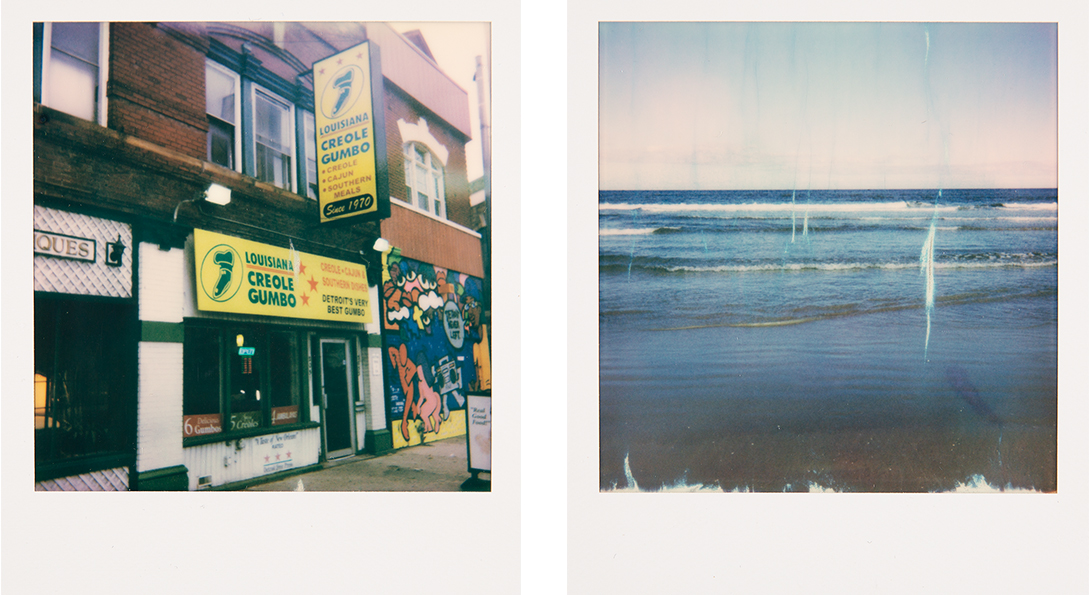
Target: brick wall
(83,164)
(156,88)
(422,238)
(401,106)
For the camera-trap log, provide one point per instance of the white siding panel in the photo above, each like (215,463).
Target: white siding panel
(162,283)
(159,411)
(248,458)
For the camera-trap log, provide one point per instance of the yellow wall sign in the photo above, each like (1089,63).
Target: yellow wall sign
(347,137)
(244,277)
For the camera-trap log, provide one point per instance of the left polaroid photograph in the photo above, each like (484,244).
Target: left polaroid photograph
(262,256)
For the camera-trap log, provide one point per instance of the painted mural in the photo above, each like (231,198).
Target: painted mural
(434,347)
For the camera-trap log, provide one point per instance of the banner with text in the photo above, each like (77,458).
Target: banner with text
(347,135)
(244,277)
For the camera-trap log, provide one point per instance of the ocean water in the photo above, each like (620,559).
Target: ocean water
(877,341)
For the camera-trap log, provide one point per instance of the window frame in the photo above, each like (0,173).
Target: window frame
(435,183)
(99,108)
(259,336)
(310,149)
(256,89)
(209,63)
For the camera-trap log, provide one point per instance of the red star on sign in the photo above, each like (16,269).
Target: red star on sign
(359,55)
(266,458)
(306,299)
(278,457)
(321,71)
(313,284)
(339,60)
(302,269)
(289,454)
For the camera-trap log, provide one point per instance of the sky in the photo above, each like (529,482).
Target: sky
(827,105)
(455,47)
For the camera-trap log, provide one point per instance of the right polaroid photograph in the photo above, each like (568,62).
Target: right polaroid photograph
(828,257)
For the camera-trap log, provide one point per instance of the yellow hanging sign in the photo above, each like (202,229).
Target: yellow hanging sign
(244,277)
(346,135)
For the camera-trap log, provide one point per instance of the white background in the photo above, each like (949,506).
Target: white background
(544,528)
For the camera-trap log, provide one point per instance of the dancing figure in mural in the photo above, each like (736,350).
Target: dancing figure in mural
(421,401)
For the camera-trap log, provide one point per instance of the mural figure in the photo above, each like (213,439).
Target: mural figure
(434,314)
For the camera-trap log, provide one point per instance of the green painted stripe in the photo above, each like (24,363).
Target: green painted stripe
(374,341)
(162,332)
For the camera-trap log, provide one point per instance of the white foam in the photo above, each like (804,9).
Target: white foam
(1032,206)
(976,484)
(818,208)
(627,232)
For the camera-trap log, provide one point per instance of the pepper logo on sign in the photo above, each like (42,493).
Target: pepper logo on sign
(342,91)
(218,278)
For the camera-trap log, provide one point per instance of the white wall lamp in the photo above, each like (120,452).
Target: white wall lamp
(381,245)
(215,194)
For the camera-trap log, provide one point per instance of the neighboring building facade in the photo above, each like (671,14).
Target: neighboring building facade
(182,343)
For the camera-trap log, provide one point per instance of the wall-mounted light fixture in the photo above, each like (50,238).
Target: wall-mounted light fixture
(215,194)
(381,245)
(218,195)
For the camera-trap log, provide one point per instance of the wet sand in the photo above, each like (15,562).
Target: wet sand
(903,459)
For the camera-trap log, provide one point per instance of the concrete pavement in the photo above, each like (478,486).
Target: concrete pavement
(439,466)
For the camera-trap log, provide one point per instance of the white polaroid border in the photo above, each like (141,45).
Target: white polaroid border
(262,542)
(842,543)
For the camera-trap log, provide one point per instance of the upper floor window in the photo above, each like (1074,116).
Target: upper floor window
(311,151)
(70,68)
(274,139)
(424,179)
(221,91)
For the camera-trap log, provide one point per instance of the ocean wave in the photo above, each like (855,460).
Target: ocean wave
(849,266)
(798,207)
(1032,206)
(627,232)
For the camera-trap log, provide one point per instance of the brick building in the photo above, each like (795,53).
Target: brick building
(176,174)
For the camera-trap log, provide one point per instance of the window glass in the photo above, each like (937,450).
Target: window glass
(80,403)
(219,94)
(283,378)
(221,143)
(202,381)
(72,79)
(272,137)
(311,154)
(245,383)
(220,104)
(421,187)
(79,40)
(424,180)
(73,86)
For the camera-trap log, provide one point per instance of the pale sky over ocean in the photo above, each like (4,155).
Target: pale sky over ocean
(827,105)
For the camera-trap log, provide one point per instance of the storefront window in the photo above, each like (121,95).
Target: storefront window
(245,383)
(83,387)
(283,370)
(201,402)
(260,382)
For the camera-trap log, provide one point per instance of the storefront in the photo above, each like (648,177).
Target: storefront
(85,338)
(278,370)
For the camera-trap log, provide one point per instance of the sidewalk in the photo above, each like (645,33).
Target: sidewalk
(439,466)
